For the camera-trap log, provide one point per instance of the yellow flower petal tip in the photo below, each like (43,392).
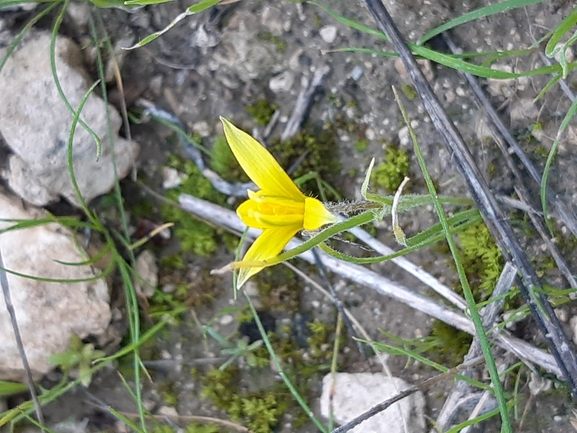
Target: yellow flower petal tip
(316,214)
(279,209)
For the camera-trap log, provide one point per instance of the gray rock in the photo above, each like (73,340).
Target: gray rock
(282,82)
(147,271)
(328,33)
(358,392)
(501,88)
(79,14)
(242,56)
(524,112)
(35,124)
(272,19)
(204,37)
(47,313)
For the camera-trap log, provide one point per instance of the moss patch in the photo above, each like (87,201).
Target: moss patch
(320,156)
(195,236)
(224,163)
(482,260)
(409,91)
(269,37)
(391,172)
(261,111)
(259,411)
(279,289)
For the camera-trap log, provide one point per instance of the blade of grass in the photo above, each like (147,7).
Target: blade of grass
(25,30)
(550,158)
(59,88)
(473,310)
(194,9)
(123,266)
(428,240)
(494,9)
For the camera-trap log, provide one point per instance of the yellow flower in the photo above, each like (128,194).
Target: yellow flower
(279,209)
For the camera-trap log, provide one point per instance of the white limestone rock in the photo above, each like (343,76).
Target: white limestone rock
(282,82)
(47,313)
(35,124)
(328,33)
(355,393)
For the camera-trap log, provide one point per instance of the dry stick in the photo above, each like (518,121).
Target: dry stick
(461,392)
(19,344)
(496,220)
(303,103)
(413,269)
(520,187)
(220,216)
(564,213)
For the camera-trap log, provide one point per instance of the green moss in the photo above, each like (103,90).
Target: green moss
(195,236)
(200,428)
(262,409)
(259,411)
(275,40)
(541,151)
(452,344)
(202,290)
(168,393)
(409,91)
(483,263)
(174,261)
(279,289)
(481,259)
(224,163)
(391,172)
(321,157)
(261,111)
(362,145)
(537,127)
(321,341)
(245,315)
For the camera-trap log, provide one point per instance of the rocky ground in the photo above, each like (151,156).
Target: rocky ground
(244,61)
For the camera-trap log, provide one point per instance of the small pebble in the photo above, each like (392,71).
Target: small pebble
(282,82)
(356,73)
(226,319)
(328,33)
(168,411)
(202,128)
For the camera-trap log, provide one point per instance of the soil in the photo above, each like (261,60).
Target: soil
(220,62)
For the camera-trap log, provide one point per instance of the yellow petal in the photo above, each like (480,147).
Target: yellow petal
(316,214)
(259,164)
(268,245)
(264,212)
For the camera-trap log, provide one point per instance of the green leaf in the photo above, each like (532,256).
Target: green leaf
(506,5)
(10,388)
